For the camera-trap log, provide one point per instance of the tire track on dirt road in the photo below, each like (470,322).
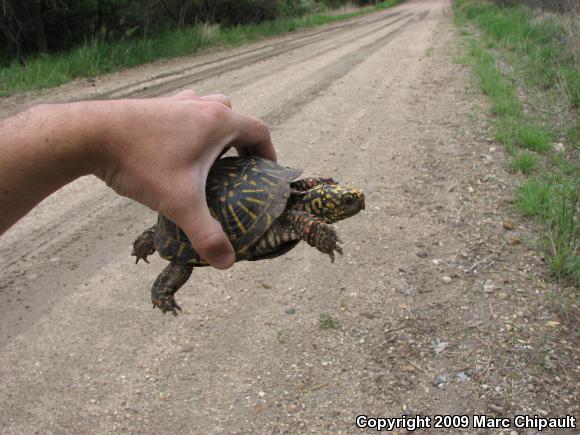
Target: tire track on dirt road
(144,88)
(179,83)
(333,72)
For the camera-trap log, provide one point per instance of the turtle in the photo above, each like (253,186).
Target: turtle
(264,211)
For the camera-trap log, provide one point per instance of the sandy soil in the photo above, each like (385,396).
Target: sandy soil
(439,307)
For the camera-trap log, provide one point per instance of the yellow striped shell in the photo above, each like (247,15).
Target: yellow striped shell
(245,194)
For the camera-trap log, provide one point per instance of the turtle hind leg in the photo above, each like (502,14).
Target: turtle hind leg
(143,245)
(167,284)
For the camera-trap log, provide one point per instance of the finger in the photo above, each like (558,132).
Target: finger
(186,94)
(206,236)
(252,134)
(220,98)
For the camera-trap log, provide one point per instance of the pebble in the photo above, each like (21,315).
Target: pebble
(488,286)
(440,346)
(462,376)
(446,279)
(291,311)
(440,380)
(559,147)
(513,240)
(508,224)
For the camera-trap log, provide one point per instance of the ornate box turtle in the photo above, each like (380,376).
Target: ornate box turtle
(264,213)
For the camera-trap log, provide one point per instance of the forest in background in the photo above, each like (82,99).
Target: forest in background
(31,27)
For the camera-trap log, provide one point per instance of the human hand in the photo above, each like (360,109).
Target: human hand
(159,152)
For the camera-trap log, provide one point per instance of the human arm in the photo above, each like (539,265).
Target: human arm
(156,151)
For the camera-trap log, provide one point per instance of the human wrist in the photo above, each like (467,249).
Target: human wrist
(70,136)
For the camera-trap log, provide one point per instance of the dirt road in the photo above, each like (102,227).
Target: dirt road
(437,311)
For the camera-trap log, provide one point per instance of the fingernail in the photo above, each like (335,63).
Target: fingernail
(223,261)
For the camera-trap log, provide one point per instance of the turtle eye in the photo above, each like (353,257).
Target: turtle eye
(348,200)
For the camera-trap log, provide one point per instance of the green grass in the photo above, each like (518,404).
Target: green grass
(533,197)
(327,321)
(97,57)
(534,138)
(524,162)
(535,53)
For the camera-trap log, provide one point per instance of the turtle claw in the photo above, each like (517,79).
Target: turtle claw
(166,304)
(143,246)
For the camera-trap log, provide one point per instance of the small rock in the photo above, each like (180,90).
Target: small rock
(513,240)
(164,396)
(488,286)
(266,286)
(440,380)
(408,291)
(436,262)
(261,394)
(559,147)
(291,311)
(422,254)
(508,224)
(497,409)
(462,376)
(471,189)
(440,346)
(446,279)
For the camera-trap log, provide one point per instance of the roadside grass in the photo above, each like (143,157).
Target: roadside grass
(524,60)
(524,162)
(97,57)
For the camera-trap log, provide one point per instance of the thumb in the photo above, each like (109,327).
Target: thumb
(206,236)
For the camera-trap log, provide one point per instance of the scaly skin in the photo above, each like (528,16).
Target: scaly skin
(166,285)
(313,231)
(308,183)
(143,245)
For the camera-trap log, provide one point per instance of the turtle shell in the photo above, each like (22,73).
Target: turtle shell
(245,194)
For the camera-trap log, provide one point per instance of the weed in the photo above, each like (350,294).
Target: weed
(535,138)
(541,55)
(533,197)
(327,321)
(524,162)
(563,300)
(283,335)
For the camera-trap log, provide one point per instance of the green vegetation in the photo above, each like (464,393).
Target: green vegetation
(524,161)
(528,63)
(327,321)
(100,55)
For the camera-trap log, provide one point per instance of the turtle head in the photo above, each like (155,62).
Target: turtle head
(334,202)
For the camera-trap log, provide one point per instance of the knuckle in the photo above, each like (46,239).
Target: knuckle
(216,112)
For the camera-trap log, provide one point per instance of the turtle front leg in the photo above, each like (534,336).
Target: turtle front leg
(167,284)
(305,184)
(314,231)
(143,245)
